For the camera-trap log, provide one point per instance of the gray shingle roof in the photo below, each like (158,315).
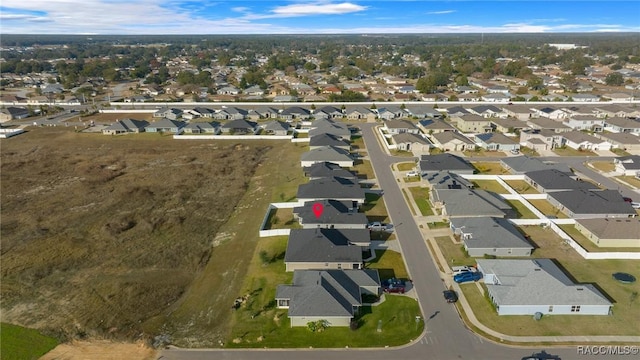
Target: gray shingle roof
(445,137)
(328,170)
(524,164)
(553,179)
(410,138)
(327,140)
(488,232)
(447,180)
(325,245)
(536,282)
(334,212)
(445,162)
(330,188)
(593,202)
(462,203)
(495,138)
(327,154)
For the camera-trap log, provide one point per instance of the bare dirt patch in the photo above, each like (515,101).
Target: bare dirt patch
(99,233)
(101,350)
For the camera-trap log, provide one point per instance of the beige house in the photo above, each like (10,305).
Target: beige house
(611,232)
(472,123)
(452,141)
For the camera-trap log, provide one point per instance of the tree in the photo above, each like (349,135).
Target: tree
(430,83)
(535,83)
(614,79)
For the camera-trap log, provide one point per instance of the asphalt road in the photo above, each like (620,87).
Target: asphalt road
(445,336)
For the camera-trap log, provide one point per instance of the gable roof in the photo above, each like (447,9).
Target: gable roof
(464,202)
(447,136)
(399,124)
(627,229)
(410,138)
(524,164)
(276,125)
(325,245)
(495,138)
(581,137)
(327,153)
(593,202)
(240,124)
(328,170)
(536,282)
(447,180)
(435,124)
(325,139)
(554,179)
(334,212)
(165,123)
(330,188)
(489,232)
(445,162)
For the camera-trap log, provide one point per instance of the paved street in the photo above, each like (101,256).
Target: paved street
(445,336)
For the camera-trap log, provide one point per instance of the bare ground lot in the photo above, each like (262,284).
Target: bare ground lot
(101,234)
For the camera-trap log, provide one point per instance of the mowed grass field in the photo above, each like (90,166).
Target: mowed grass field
(113,237)
(19,343)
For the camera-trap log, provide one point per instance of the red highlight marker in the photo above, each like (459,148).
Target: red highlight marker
(317,208)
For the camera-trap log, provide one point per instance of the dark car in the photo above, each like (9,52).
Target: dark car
(450,296)
(627,199)
(467,276)
(393,285)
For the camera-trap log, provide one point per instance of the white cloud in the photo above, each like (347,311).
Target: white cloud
(317,9)
(442,12)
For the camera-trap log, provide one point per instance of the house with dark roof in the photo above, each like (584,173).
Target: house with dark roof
(333,296)
(201,127)
(328,112)
(328,154)
(239,127)
(329,170)
(452,141)
(324,249)
(231,113)
(422,111)
(586,204)
(168,113)
(445,162)
(523,164)
(527,287)
(326,126)
(434,126)
(331,188)
(13,113)
(447,180)
(611,232)
(415,143)
(487,111)
(496,142)
(295,113)
(628,165)
(547,124)
(519,112)
(490,236)
(394,126)
(457,111)
(324,139)
(275,127)
(335,215)
(166,125)
(469,203)
(125,126)
(551,180)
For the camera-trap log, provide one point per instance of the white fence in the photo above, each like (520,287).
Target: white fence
(233,137)
(276,232)
(128,111)
(300,140)
(7,133)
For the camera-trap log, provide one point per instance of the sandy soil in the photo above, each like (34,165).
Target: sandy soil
(101,350)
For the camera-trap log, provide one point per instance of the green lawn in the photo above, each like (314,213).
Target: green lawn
(490,185)
(583,271)
(411,179)
(454,253)
(406,166)
(20,343)
(631,180)
(363,168)
(603,166)
(389,264)
(282,219)
(567,151)
(521,187)
(421,197)
(546,208)
(489,168)
(374,208)
(588,244)
(406,199)
(620,152)
(522,212)
(439,225)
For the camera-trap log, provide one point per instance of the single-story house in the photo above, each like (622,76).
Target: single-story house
(275,127)
(295,113)
(523,164)
(468,203)
(324,139)
(326,126)
(447,180)
(13,113)
(168,113)
(412,142)
(328,170)
(434,126)
(445,162)
(333,296)
(551,180)
(527,287)
(549,113)
(496,142)
(326,249)
(519,112)
(360,113)
(166,125)
(507,125)
(231,113)
(487,111)
(126,126)
(579,140)
(611,232)
(452,141)
(586,204)
(422,111)
(331,188)
(400,126)
(628,165)
(335,215)
(329,154)
(239,127)
(202,128)
(490,236)
(624,141)
(617,124)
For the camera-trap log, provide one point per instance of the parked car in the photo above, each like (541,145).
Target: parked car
(412,174)
(378,226)
(393,285)
(462,269)
(635,205)
(627,199)
(450,296)
(467,276)
(515,151)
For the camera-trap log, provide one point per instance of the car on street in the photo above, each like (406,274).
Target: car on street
(467,276)
(379,226)
(450,296)
(394,285)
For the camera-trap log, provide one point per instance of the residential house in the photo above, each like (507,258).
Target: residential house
(331,188)
(263,113)
(618,125)
(551,180)
(322,140)
(531,286)
(231,113)
(585,98)
(496,142)
(472,123)
(538,140)
(202,112)
(454,203)
(325,249)
(549,113)
(447,180)
(239,127)
(201,127)
(628,165)
(434,126)
(360,113)
(228,90)
(518,165)
(334,296)
(335,215)
(611,232)
(624,141)
(166,125)
(422,111)
(585,122)
(295,113)
(548,124)
(508,125)
(328,154)
(445,162)
(415,143)
(328,112)
(275,127)
(457,111)
(325,126)
(328,170)
(168,113)
(125,126)
(389,112)
(13,113)
(254,91)
(579,140)
(490,236)
(488,111)
(520,112)
(400,126)
(614,110)
(586,204)
(496,97)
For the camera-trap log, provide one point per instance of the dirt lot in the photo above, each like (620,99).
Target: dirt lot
(101,233)
(101,350)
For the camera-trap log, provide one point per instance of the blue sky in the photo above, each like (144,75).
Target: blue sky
(314,17)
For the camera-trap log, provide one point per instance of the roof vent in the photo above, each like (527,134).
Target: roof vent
(580,289)
(536,269)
